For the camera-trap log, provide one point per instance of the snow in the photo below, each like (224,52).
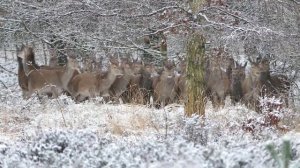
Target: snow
(61,133)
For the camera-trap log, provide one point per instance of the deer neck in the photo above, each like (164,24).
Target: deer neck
(128,75)
(111,77)
(106,83)
(264,76)
(28,67)
(67,75)
(165,76)
(20,64)
(236,82)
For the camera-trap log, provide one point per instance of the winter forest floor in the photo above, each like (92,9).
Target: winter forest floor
(61,133)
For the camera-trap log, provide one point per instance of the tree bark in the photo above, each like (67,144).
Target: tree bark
(195,103)
(44,52)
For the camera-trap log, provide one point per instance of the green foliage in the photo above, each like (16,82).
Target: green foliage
(283,156)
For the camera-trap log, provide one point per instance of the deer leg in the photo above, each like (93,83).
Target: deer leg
(157,103)
(163,103)
(222,100)
(25,94)
(54,91)
(83,98)
(215,100)
(151,101)
(80,98)
(124,97)
(92,93)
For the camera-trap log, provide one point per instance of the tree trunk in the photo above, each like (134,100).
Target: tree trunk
(195,103)
(44,52)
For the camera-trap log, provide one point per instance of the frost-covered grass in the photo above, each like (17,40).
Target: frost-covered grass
(60,133)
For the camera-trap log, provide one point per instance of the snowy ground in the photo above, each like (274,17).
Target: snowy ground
(60,133)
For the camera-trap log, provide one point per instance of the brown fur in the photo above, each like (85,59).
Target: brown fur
(140,88)
(164,86)
(237,77)
(22,78)
(89,85)
(253,84)
(261,83)
(45,81)
(120,85)
(218,82)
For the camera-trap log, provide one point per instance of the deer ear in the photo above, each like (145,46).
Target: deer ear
(22,46)
(250,60)
(18,48)
(21,56)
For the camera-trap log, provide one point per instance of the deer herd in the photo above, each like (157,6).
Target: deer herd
(137,82)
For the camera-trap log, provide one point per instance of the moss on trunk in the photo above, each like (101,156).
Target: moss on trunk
(195,103)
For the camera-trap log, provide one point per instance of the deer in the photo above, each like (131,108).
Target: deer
(217,82)
(254,82)
(140,88)
(45,81)
(145,85)
(238,75)
(164,86)
(131,72)
(89,85)
(22,78)
(261,83)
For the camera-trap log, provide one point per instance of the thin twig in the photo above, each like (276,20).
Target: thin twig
(7,70)
(61,111)
(3,84)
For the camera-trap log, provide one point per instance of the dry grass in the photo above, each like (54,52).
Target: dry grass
(11,123)
(137,122)
(116,128)
(137,95)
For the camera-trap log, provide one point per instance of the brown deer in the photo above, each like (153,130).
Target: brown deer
(22,78)
(120,85)
(44,81)
(145,85)
(238,75)
(89,85)
(254,82)
(217,82)
(140,88)
(164,86)
(261,83)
